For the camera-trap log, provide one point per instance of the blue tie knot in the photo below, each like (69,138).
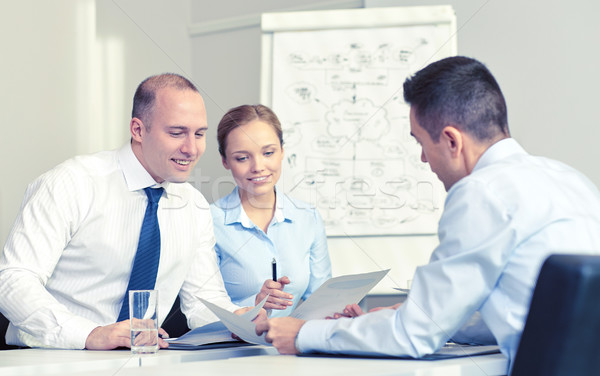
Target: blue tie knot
(154,194)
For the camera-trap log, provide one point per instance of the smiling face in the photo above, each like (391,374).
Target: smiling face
(254,156)
(172,143)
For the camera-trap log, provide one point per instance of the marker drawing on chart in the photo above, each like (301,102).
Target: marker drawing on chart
(348,149)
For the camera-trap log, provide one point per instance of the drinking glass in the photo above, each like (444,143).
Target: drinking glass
(143,318)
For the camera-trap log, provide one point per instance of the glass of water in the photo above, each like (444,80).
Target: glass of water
(143,319)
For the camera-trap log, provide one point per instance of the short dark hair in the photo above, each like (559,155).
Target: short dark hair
(145,94)
(457,91)
(243,115)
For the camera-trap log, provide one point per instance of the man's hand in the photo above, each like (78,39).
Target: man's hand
(281,333)
(116,335)
(262,315)
(277,298)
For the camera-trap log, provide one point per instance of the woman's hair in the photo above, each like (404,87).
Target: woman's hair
(243,115)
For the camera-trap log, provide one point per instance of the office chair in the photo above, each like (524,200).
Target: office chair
(175,324)
(3,326)
(563,325)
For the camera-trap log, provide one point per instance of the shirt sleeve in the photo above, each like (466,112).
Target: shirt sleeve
(204,280)
(476,240)
(474,332)
(50,212)
(320,264)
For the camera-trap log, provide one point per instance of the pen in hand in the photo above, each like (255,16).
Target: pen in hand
(278,299)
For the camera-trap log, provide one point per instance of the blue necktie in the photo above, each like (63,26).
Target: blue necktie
(145,264)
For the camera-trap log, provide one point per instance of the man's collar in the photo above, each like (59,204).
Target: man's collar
(498,151)
(136,176)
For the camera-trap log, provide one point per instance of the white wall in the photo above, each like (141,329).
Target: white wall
(69,69)
(39,90)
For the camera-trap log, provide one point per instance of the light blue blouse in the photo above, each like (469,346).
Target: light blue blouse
(295,238)
(499,224)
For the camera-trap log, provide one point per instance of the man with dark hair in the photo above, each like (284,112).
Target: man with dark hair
(66,265)
(505,212)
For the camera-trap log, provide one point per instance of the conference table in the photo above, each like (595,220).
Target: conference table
(245,360)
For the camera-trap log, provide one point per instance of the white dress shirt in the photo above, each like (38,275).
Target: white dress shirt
(499,224)
(66,264)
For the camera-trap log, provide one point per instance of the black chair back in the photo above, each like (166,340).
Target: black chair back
(563,325)
(175,324)
(3,326)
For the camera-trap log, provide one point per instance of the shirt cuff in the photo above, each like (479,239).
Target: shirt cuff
(75,333)
(313,335)
(71,335)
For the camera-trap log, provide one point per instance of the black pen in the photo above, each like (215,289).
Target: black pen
(274,266)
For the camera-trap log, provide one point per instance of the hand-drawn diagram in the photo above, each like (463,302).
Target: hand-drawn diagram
(348,149)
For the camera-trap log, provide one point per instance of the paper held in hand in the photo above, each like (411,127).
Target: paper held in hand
(215,334)
(332,297)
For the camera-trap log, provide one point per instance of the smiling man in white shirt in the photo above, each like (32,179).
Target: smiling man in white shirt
(505,212)
(65,268)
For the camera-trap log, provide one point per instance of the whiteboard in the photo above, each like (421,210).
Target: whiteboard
(334,78)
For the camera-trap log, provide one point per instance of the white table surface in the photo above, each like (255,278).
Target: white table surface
(251,360)
(39,362)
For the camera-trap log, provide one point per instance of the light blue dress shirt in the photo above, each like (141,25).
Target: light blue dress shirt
(499,224)
(295,238)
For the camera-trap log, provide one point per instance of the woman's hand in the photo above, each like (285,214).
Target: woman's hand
(395,306)
(277,298)
(353,310)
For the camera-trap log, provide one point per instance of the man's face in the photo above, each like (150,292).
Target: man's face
(438,154)
(175,139)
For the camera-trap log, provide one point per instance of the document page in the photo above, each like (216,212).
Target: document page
(242,326)
(330,298)
(336,293)
(213,333)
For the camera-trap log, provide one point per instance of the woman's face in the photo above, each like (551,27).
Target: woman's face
(254,156)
